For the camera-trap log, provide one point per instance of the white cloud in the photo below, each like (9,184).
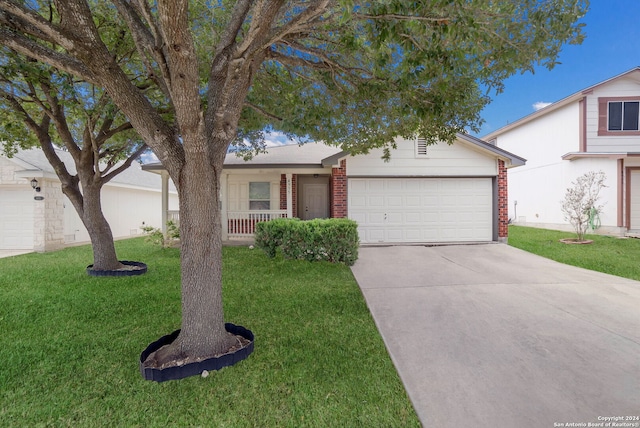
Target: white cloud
(276,139)
(540,104)
(149,157)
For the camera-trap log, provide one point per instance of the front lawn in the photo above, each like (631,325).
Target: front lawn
(608,254)
(70,344)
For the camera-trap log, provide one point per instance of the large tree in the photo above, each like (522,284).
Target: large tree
(42,107)
(355,74)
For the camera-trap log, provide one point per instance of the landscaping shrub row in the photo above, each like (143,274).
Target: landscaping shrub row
(335,240)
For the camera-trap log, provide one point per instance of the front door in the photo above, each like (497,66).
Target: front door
(315,201)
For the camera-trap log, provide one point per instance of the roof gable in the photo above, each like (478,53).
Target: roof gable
(475,143)
(634,73)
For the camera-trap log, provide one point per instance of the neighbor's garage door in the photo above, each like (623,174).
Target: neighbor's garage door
(16,219)
(421,209)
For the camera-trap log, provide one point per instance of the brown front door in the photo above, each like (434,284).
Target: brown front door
(315,201)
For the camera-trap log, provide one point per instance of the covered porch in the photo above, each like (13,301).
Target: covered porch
(286,182)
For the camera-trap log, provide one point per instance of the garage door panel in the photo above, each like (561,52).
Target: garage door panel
(422,209)
(16,219)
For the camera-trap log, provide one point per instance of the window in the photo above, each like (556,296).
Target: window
(259,195)
(618,116)
(623,116)
(421,147)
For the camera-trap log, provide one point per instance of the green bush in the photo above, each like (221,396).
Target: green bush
(335,240)
(156,237)
(268,234)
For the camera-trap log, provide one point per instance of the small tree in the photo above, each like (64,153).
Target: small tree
(580,201)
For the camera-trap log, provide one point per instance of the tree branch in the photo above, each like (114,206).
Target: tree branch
(126,164)
(35,22)
(30,49)
(263,111)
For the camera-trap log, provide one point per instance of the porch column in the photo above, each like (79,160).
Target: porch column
(165,201)
(223,206)
(289,196)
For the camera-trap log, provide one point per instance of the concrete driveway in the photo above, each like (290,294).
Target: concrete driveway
(492,336)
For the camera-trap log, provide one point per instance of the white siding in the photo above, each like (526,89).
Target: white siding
(539,192)
(623,87)
(539,186)
(458,159)
(543,141)
(124,208)
(238,190)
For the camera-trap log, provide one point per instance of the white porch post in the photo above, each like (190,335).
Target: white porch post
(223,206)
(165,201)
(289,195)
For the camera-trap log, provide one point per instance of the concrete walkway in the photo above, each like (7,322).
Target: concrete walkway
(492,336)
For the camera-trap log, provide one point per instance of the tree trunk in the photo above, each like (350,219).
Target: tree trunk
(89,207)
(203,333)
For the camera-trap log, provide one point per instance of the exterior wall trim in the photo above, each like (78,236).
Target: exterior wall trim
(627,210)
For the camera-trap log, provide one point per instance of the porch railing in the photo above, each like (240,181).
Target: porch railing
(173,215)
(242,224)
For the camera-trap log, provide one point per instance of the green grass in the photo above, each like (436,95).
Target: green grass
(70,344)
(608,254)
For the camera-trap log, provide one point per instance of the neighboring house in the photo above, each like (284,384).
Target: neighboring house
(424,194)
(46,220)
(592,130)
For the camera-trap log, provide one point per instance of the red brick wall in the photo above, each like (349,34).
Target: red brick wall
(294,193)
(503,202)
(339,190)
(283,191)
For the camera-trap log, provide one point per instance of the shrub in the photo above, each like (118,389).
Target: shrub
(155,235)
(268,234)
(335,240)
(580,201)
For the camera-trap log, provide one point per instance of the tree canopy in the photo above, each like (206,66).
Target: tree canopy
(354,74)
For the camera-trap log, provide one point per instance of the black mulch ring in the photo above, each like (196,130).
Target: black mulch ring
(195,368)
(135,268)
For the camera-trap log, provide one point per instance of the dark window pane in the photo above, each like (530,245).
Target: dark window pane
(259,190)
(631,116)
(259,205)
(615,116)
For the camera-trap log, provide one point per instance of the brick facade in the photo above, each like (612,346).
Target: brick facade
(503,204)
(338,185)
(294,193)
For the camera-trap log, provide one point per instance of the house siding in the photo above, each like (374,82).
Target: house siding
(622,88)
(442,160)
(537,189)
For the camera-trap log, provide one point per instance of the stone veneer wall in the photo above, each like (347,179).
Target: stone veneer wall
(49,217)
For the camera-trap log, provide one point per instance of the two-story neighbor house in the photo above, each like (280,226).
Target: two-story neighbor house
(592,130)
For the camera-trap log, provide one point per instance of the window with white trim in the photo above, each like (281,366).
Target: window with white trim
(421,148)
(623,115)
(259,195)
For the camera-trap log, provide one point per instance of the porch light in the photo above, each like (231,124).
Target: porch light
(34,185)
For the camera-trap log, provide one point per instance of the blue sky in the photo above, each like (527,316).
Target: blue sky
(611,47)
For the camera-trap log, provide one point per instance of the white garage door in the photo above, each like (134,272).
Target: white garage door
(16,219)
(422,209)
